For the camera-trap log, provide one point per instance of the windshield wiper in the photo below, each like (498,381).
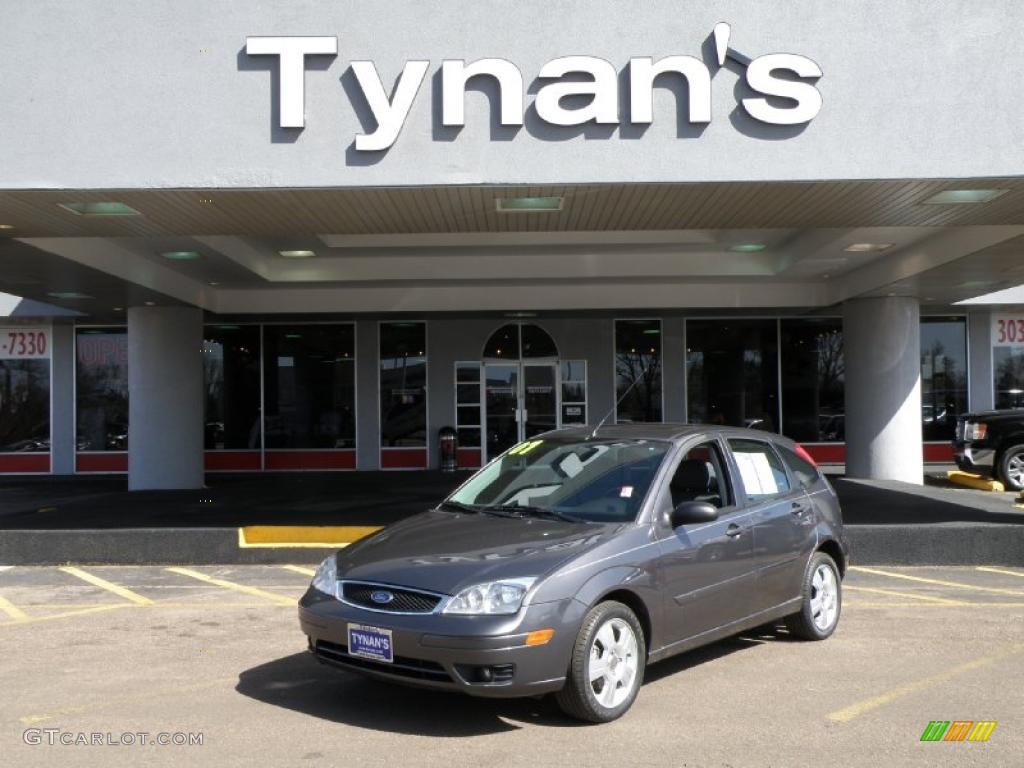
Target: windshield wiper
(458,505)
(476,508)
(528,511)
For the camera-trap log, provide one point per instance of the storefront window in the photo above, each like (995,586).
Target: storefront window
(732,372)
(231,377)
(467,404)
(309,386)
(403,385)
(943,375)
(574,392)
(24,405)
(813,380)
(638,370)
(101,389)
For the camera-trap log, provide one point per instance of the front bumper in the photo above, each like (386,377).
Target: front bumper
(973,457)
(448,652)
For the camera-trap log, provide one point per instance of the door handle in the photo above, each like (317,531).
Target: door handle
(798,509)
(733,531)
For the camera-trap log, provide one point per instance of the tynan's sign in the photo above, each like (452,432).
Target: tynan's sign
(783,82)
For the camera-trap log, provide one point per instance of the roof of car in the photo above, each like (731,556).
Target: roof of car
(660,431)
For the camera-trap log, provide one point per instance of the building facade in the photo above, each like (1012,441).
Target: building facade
(311,235)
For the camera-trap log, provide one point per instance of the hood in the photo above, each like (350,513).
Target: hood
(445,552)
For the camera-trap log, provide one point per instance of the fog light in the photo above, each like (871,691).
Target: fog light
(540,637)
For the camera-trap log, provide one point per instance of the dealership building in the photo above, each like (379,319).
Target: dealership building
(285,236)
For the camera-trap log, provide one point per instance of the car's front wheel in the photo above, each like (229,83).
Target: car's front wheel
(1011,468)
(607,666)
(822,600)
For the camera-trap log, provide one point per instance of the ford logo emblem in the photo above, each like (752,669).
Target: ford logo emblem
(381,597)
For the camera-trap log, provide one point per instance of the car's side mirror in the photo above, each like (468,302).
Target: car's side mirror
(690,512)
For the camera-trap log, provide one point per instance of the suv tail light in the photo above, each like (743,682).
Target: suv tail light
(975,431)
(803,454)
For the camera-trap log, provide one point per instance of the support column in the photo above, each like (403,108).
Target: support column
(165,398)
(882,354)
(62,400)
(981,395)
(367,396)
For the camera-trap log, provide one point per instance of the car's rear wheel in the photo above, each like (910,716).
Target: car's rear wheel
(1011,468)
(822,600)
(607,666)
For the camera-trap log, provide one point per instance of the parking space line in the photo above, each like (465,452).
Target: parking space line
(867,705)
(938,582)
(299,569)
(279,599)
(96,581)
(896,593)
(1004,571)
(12,610)
(68,614)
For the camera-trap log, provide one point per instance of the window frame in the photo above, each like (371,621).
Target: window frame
(754,501)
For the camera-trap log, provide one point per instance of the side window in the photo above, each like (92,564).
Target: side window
(805,472)
(700,476)
(761,470)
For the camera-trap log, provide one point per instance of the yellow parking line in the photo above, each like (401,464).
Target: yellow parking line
(867,705)
(68,614)
(12,610)
(895,593)
(1004,571)
(909,604)
(299,569)
(939,582)
(279,599)
(96,581)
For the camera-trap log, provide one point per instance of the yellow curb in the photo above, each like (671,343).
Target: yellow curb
(977,482)
(302,535)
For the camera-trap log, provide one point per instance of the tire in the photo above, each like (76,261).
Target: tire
(1011,468)
(610,629)
(815,621)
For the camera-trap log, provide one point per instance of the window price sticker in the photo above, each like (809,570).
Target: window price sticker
(24,343)
(1008,329)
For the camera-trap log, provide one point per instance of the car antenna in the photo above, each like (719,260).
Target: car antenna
(621,398)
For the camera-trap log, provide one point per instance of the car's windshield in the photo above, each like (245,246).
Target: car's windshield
(594,480)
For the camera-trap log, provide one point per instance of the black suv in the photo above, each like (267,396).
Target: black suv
(992,442)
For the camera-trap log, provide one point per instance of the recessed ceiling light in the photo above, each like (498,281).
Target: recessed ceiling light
(652,331)
(228,327)
(520,314)
(528,204)
(296,254)
(748,247)
(68,295)
(960,196)
(181,255)
(100,209)
(213,283)
(118,309)
(866,247)
(150,303)
(293,335)
(6,226)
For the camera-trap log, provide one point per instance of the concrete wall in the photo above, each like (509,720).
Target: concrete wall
(162,94)
(62,400)
(981,394)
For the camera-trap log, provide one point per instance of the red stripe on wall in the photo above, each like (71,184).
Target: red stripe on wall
(226,461)
(469,458)
(284,460)
(101,462)
(404,458)
(938,453)
(25,462)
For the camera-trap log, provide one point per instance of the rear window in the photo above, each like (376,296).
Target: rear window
(761,471)
(805,472)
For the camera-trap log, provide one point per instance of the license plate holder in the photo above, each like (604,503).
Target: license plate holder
(372,643)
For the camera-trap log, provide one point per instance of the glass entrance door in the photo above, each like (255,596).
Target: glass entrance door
(520,401)
(501,408)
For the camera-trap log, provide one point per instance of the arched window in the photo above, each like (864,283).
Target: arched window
(520,341)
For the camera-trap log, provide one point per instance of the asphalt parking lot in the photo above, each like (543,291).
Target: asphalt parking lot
(216,651)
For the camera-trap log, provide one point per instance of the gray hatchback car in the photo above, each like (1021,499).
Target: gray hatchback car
(577,558)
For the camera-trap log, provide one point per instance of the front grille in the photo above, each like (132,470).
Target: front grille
(404,600)
(413,669)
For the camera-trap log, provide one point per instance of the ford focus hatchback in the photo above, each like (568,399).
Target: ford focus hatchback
(574,560)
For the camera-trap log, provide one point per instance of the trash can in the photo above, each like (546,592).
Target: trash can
(448,442)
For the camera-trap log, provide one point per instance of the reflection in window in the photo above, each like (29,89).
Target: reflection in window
(520,341)
(101,389)
(24,405)
(231,379)
(638,370)
(503,344)
(403,384)
(1008,367)
(943,375)
(574,392)
(813,380)
(309,386)
(467,404)
(732,372)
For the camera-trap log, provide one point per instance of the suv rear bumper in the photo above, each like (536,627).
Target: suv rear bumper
(974,457)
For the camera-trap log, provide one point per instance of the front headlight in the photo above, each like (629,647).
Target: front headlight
(490,598)
(326,577)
